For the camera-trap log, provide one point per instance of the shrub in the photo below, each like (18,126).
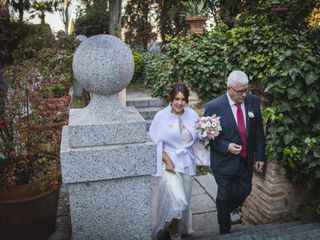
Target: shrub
(157,74)
(29,150)
(137,55)
(92,21)
(21,40)
(30,126)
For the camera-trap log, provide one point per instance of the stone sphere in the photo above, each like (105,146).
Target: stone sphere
(103,64)
(81,38)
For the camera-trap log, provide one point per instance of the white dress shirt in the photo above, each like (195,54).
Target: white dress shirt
(234,107)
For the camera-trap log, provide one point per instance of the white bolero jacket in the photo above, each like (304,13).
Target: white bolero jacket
(165,132)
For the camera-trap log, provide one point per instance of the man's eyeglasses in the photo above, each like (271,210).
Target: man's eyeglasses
(240,91)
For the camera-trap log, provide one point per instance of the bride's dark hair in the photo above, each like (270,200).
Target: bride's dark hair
(179,87)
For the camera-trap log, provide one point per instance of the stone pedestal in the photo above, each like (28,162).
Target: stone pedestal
(106,156)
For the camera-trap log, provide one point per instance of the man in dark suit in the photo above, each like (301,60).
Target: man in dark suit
(239,148)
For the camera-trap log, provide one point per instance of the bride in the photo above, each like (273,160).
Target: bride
(172,129)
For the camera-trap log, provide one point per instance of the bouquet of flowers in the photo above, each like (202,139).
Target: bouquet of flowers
(208,128)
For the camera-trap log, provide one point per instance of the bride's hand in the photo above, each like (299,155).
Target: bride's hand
(170,166)
(168,162)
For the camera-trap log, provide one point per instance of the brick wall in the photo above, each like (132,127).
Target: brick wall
(273,198)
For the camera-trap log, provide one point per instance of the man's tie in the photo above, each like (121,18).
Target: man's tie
(242,130)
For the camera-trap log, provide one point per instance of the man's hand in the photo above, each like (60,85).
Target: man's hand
(234,148)
(259,166)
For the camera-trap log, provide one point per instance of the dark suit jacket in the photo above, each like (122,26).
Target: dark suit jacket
(223,162)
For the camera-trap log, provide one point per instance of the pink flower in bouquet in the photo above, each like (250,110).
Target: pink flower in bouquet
(208,128)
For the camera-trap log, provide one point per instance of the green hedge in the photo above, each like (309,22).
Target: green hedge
(157,74)
(92,21)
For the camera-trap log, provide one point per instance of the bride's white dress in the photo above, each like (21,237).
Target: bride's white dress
(172,197)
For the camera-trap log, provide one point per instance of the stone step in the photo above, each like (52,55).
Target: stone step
(148,113)
(293,230)
(148,123)
(143,102)
(280,231)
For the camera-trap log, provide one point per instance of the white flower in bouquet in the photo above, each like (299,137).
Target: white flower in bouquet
(208,128)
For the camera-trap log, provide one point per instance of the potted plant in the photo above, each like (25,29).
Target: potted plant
(30,175)
(196,11)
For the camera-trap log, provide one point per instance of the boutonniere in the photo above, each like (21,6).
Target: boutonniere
(250,114)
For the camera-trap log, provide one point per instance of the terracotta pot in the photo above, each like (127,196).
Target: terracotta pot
(196,23)
(27,212)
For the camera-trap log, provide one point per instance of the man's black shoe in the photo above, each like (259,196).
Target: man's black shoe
(224,231)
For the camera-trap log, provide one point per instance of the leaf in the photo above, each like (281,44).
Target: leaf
(312,59)
(282,57)
(305,118)
(311,78)
(288,137)
(284,106)
(269,86)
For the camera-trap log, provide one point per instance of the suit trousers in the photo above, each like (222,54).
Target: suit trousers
(232,191)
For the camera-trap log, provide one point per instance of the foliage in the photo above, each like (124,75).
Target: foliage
(39,9)
(157,74)
(314,17)
(169,19)
(92,20)
(233,12)
(29,152)
(284,69)
(56,90)
(198,61)
(290,79)
(22,39)
(136,21)
(20,6)
(31,121)
(38,37)
(137,55)
(195,7)
(166,15)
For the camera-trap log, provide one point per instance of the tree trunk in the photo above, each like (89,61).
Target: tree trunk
(42,17)
(66,17)
(145,20)
(115,17)
(20,9)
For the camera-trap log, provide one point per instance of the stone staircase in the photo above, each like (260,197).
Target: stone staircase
(275,231)
(147,106)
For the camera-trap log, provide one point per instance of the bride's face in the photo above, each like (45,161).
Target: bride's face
(178,103)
